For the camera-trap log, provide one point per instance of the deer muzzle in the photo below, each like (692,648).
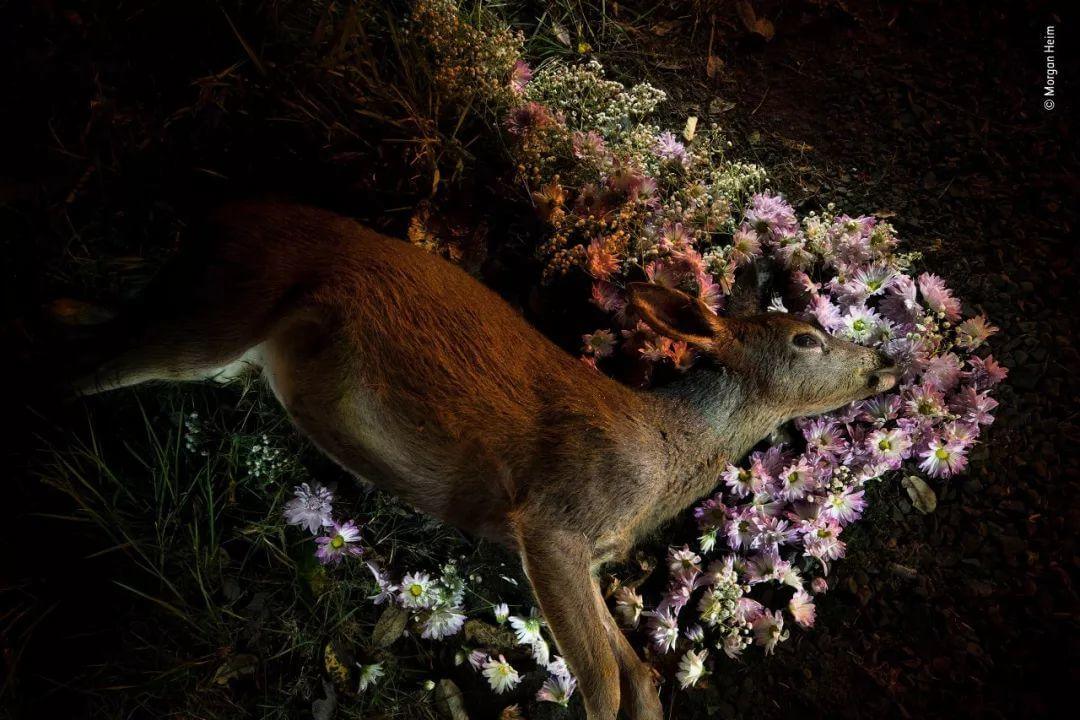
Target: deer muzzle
(883,379)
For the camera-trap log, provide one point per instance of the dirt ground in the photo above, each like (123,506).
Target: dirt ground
(929,113)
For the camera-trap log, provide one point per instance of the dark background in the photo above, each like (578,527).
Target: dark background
(121,122)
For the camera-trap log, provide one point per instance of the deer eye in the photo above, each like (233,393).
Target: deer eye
(806,341)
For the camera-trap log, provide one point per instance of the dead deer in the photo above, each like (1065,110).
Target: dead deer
(416,377)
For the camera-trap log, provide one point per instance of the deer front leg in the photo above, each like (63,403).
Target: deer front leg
(639,699)
(558,563)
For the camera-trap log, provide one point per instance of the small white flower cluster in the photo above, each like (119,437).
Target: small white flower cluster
(193,433)
(265,461)
(588,101)
(719,609)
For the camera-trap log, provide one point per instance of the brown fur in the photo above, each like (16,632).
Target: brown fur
(419,379)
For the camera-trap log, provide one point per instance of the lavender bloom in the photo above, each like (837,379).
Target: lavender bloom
(741,529)
(311,508)
(771,214)
(796,480)
(670,149)
(924,402)
(824,543)
(771,532)
(826,313)
(386,588)
(879,409)
(942,372)
(943,459)
(520,76)
(900,304)
(745,245)
(558,689)
(825,438)
(889,446)
(339,543)
(938,297)
(663,629)
(844,507)
(974,406)
(986,372)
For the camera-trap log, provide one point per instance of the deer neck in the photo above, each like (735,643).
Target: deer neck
(712,418)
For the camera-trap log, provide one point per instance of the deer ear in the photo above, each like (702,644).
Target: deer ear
(673,313)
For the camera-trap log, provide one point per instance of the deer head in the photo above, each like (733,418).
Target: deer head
(793,367)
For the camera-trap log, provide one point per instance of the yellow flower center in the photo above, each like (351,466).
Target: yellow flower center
(884,445)
(337,543)
(941,454)
(416,590)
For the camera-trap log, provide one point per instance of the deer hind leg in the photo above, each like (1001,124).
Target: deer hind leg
(194,323)
(558,564)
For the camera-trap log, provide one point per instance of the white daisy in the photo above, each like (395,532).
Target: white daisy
(691,668)
(527,629)
(416,591)
(500,675)
(369,674)
(443,622)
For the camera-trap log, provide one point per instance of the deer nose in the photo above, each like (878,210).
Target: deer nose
(883,379)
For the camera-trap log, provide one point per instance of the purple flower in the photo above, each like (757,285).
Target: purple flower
(520,76)
(825,438)
(386,588)
(974,406)
(670,149)
(823,542)
(770,532)
(986,372)
(943,459)
(311,508)
(924,402)
(889,446)
(663,629)
(771,214)
(711,513)
(938,297)
(845,507)
(796,480)
(745,245)
(741,529)
(766,566)
(900,305)
(745,481)
(825,312)
(879,409)
(768,630)
(942,372)
(339,543)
